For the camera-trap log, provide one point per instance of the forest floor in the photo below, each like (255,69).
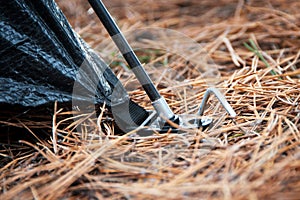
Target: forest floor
(249,50)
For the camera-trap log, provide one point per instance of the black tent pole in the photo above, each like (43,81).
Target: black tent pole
(158,102)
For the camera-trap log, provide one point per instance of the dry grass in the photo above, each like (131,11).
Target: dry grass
(255,156)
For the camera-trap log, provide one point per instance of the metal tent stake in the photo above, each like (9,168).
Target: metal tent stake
(158,102)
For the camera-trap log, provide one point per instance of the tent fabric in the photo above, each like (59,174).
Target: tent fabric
(41,59)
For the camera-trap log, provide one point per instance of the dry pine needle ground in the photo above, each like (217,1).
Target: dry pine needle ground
(254,44)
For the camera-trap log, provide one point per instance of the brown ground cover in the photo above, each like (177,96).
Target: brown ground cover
(254,46)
